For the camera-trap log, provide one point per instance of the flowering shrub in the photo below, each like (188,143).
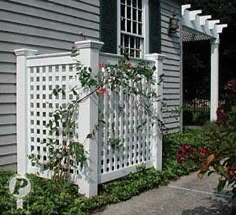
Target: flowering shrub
(218,153)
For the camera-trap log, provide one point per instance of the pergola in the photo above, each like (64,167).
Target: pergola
(195,28)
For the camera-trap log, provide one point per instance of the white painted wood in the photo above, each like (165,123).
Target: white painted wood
(211,23)
(104,163)
(88,119)
(157,133)
(220,28)
(22,108)
(203,19)
(102,178)
(184,8)
(193,14)
(200,24)
(146,25)
(214,79)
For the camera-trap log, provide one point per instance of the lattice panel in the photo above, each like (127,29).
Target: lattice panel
(43,80)
(125,134)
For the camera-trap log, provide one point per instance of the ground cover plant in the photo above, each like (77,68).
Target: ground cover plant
(44,200)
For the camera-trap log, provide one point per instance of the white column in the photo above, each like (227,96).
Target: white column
(214,78)
(22,108)
(88,119)
(157,132)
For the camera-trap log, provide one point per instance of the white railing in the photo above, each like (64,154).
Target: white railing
(38,75)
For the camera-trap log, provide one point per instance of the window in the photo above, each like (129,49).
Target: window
(132,27)
(130,24)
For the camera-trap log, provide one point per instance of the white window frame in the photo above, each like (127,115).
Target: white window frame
(145,27)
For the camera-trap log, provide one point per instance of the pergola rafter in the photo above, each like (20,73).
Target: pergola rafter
(196,27)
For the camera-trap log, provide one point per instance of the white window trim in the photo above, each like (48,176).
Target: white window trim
(145,18)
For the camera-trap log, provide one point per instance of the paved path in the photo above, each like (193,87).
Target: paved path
(186,196)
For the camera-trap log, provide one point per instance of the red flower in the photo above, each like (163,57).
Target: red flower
(101,91)
(129,65)
(202,151)
(102,65)
(221,115)
(184,152)
(231,85)
(230,172)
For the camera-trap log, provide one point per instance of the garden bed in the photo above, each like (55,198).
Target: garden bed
(46,199)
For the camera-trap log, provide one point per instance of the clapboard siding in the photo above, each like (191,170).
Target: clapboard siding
(7,119)
(48,26)
(170,46)
(7,159)
(7,78)
(7,139)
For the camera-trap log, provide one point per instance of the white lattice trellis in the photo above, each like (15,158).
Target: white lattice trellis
(43,79)
(38,75)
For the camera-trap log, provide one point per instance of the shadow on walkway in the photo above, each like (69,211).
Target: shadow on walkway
(215,207)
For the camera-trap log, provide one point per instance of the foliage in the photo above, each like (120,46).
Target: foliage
(195,118)
(44,200)
(219,152)
(64,150)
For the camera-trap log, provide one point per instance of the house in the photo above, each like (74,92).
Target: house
(53,26)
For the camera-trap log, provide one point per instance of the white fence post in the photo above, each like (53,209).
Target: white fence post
(89,52)
(157,132)
(22,108)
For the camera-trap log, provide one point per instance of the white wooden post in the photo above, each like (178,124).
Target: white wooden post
(214,78)
(157,132)
(22,108)
(88,119)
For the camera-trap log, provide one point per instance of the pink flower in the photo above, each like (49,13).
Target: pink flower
(101,91)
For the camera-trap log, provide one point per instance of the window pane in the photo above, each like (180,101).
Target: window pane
(129,26)
(122,10)
(129,2)
(140,29)
(140,4)
(134,14)
(131,42)
(126,41)
(135,27)
(122,24)
(137,43)
(129,12)
(131,53)
(140,16)
(134,3)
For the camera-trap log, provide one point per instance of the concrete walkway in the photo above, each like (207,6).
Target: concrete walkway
(186,196)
